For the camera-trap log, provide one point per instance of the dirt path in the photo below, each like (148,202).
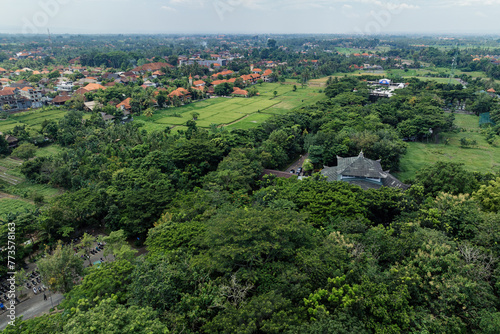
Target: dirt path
(234,122)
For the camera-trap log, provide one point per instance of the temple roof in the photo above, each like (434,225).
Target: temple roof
(362,172)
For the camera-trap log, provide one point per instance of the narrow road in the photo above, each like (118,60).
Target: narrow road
(297,163)
(33,307)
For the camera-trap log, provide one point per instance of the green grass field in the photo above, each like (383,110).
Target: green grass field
(483,158)
(13,183)
(250,121)
(12,205)
(34,118)
(229,111)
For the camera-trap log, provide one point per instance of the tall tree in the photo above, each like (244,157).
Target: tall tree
(60,269)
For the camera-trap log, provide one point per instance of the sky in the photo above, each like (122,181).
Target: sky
(367,17)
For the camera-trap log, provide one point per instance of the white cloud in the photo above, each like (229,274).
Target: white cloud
(169,9)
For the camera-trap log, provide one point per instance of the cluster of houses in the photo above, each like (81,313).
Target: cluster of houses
(495,59)
(20,95)
(74,79)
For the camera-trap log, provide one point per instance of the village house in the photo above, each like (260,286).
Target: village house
(266,76)
(11,97)
(34,95)
(125,106)
(11,140)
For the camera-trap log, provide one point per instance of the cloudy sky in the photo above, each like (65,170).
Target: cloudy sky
(250,16)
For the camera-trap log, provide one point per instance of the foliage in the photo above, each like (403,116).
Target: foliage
(60,269)
(488,196)
(110,317)
(446,177)
(24,151)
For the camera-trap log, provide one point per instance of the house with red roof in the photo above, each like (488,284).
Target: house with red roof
(93,87)
(240,92)
(266,76)
(125,106)
(199,83)
(215,83)
(151,67)
(223,73)
(60,100)
(181,93)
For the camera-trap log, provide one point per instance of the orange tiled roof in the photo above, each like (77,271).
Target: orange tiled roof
(81,91)
(93,86)
(125,103)
(179,92)
(246,77)
(267,72)
(240,92)
(218,82)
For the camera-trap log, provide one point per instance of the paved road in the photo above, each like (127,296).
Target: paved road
(35,305)
(297,163)
(32,307)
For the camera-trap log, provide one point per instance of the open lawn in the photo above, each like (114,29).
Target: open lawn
(50,150)
(483,158)
(228,111)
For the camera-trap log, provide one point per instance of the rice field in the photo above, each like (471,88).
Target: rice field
(34,118)
(224,111)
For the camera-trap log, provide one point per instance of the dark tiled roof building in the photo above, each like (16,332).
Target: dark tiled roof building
(366,173)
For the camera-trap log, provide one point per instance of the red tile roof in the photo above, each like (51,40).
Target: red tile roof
(179,92)
(151,67)
(125,104)
(93,86)
(218,82)
(61,99)
(267,72)
(240,92)
(80,91)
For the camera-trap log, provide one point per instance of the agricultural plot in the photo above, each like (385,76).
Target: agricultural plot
(8,124)
(13,205)
(17,193)
(250,122)
(482,158)
(228,111)
(33,118)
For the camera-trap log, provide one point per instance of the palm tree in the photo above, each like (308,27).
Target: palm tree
(148,113)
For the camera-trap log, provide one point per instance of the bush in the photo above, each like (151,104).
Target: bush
(465,142)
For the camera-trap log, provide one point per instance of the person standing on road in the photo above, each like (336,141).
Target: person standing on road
(44,296)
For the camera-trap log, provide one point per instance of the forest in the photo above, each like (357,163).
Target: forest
(230,251)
